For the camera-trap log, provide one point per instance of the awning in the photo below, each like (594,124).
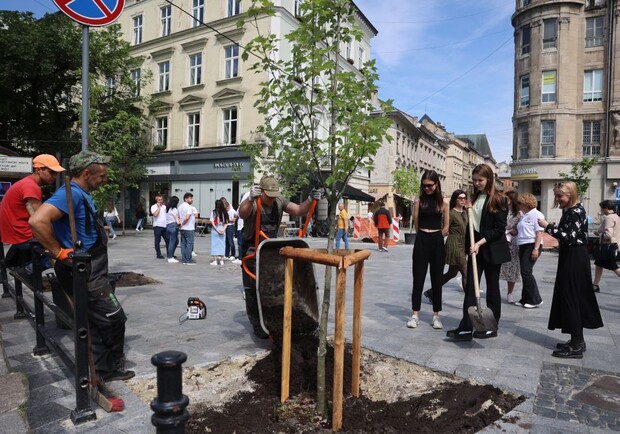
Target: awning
(353,193)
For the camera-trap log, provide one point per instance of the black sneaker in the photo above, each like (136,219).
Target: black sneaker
(459,335)
(160,257)
(118,375)
(485,334)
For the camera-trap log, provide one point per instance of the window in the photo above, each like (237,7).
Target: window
(525,2)
(110,84)
(347,50)
(594,31)
(195,69)
(360,57)
(297,8)
(525,91)
(524,141)
(193,130)
(547,139)
(136,77)
(230,126)
(593,85)
(234,7)
(550,33)
(232,61)
(548,86)
(162,132)
(137,30)
(591,138)
(164,76)
(166,20)
(526,34)
(198,12)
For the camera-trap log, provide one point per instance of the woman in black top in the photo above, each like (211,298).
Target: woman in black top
(431,219)
(574,304)
(490,211)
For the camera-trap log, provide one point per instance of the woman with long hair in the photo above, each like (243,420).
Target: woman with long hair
(456,259)
(574,304)
(431,217)
(172,227)
(219,221)
(490,212)
(511,271)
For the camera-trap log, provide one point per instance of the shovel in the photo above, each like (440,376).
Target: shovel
(482,318)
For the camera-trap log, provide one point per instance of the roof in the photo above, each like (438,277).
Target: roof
(480,144)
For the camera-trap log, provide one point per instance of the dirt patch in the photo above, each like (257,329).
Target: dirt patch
(129,278)
(242,396)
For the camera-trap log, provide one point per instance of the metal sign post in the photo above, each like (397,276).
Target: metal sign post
(89,13)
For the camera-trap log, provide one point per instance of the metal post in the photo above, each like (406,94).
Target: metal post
(83,411)
(19,299)
(85,86)
(3,274)
(170,405)
(39,311)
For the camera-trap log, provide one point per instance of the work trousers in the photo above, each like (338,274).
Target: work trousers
(428,250)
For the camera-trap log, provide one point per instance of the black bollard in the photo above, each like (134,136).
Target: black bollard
(170,406)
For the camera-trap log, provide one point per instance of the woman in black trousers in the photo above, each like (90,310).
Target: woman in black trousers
(431,216)
(490,212)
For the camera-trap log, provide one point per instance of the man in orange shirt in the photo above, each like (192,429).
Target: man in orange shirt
(19,203)
(343,222)
(383,222)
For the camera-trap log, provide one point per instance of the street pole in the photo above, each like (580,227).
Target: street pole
(85,86)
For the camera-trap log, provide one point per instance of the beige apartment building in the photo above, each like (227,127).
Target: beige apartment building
(567,97)
(203,93)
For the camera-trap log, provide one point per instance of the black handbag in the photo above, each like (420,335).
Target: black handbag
(605,252)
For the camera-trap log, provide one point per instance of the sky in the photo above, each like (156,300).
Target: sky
(450,59)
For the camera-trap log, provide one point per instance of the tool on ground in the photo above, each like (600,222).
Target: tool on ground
(482,318)
(196,309)
(99,391)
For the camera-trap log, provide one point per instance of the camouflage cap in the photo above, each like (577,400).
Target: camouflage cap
(81,161)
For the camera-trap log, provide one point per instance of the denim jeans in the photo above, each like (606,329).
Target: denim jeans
(173,238)
(342,233)
(187,245)
(109,221)
(159,232)
(230,241)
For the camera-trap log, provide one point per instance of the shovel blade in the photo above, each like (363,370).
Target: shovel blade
(482,318)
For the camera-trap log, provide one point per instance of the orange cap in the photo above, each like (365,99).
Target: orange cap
(49,161)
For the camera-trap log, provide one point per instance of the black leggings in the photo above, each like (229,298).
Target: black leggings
(428,249)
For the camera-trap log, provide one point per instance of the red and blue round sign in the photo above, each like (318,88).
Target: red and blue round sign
(93,13)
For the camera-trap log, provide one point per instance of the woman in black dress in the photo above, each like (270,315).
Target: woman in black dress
(574,303)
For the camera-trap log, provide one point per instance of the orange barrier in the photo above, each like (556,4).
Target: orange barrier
(396,229)
(356,227)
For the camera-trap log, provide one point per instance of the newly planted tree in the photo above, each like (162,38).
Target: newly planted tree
(318,112)
(407,183)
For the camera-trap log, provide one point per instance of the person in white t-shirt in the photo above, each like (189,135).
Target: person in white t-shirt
(230,230)
(158,209)
(529,240)
(187,216)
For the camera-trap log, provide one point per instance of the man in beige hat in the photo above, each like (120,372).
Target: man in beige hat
(273,204)
(19,203)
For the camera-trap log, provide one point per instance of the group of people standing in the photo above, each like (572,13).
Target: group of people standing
(506,242)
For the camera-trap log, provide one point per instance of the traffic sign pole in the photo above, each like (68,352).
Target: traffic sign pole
(85,86)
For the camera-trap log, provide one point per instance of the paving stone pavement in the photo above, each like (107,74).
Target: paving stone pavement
(562,395)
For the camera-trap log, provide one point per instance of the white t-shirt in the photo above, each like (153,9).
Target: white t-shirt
(528,226)
(159,220)
(239,219)
(232,215)
(171,216)
(184,209)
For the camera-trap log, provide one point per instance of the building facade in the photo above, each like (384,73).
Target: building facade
(567,97)
(202,92)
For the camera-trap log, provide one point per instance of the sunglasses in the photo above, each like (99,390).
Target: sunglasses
(428,185)
(462,197)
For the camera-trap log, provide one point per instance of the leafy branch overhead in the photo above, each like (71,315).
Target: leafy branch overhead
(580,175)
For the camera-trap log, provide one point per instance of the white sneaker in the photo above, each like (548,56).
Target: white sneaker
(413,322)
(236,262)
(436,323)
(510,298)
(214,263)
(232,258)
(114,236)
(194,254)
(137,229)
(171,260)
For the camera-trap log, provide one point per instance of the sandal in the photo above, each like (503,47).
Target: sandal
(596,288)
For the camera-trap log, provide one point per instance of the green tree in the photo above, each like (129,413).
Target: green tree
(407,183)
(39,83)
(580,175)
(317,111)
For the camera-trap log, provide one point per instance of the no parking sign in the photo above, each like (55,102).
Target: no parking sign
(92,13)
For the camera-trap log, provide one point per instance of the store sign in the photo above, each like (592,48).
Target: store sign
(524,172)
(228,165)
(15,164)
